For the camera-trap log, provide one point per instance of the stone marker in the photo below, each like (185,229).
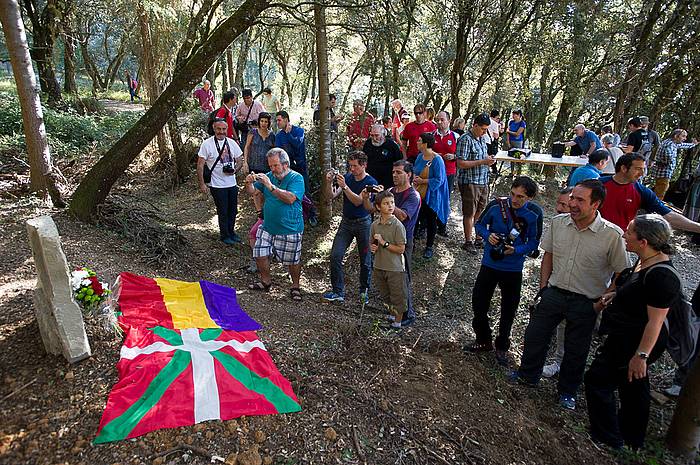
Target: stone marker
(60,318)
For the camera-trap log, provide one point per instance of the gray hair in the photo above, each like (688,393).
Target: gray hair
(608,139)
(579,126)
(644,119)
(653,228)
(206,81)
(278,152)
(677,132)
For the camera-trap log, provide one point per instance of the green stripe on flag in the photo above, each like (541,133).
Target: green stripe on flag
(173,338)
(120,427)
(263,386)
(210,334)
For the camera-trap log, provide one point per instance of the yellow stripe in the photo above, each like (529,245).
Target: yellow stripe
(185,303)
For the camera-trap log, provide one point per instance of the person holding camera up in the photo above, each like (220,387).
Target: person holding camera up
(511,231)
(354,225)
(219,160)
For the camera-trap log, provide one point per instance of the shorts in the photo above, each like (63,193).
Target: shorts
(286,247)
(474,198)
(253,233)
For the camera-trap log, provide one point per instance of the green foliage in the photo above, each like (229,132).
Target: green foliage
(70,134)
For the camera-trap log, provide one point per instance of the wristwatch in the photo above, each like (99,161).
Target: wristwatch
(386,244)
(273,188)
(345,187)
(642,355)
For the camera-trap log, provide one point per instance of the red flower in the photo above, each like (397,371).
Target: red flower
(96,286)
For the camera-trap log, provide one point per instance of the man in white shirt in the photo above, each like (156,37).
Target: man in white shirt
(222,157)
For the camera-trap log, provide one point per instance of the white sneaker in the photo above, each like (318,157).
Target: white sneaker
(550,370)
(673,391)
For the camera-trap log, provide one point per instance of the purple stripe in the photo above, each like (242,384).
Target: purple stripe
(224,309)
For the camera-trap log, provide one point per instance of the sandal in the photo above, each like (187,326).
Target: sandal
(260,286)
(295,294)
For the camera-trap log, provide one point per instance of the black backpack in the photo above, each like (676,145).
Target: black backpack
(682,323)
(212,117)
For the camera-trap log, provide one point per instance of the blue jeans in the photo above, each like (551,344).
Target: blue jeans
(349,229)
(226,201)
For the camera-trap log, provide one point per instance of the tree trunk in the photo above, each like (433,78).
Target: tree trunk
(224,72)
(231,70)
(41,171)
(182,158)
(69,48)
(150,78)
(97,183)
(683,436)
(242,60)
(324,137)
(45,29)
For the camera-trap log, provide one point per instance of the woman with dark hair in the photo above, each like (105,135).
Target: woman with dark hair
(430,181)
(260,141)
(636,336)
(515,132)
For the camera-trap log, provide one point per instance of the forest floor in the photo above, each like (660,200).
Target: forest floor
(368,395)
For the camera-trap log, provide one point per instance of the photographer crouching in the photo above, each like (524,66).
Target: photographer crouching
(220,158)
(511,229)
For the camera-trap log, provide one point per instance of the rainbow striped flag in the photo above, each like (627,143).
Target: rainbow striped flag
(146,302)
(170,378)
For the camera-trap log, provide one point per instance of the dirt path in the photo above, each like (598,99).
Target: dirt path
(368,395)
(117,106)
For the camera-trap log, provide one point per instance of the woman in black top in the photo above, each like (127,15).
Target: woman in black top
(636,336)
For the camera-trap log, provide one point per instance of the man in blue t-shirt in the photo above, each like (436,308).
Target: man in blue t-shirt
(597,161)
(355,224)
(291,139)
(280,234)
(510,228)
(586,140)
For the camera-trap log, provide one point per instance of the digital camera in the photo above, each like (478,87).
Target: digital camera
(228,168)
(498,252)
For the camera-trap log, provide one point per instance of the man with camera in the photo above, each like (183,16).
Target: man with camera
(247,114)
(220,158)
(281,232)
(355,224)
(511,231)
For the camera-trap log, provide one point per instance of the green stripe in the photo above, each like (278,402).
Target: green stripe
(172,336)
(210,334)
(263,386)
(120,427)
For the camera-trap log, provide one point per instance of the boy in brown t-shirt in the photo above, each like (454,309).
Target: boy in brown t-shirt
(388,237)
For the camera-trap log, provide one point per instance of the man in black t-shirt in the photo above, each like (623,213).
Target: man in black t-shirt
(381,152)
(638,139)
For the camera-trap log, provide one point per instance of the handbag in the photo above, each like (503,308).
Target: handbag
(425,174)
(243,127)
(206,173)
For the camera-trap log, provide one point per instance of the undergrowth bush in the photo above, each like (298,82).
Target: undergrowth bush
(70,134)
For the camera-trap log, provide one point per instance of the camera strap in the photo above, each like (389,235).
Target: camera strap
(220,150)
(503,203)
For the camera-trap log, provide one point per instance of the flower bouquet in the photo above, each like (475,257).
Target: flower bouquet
(88,291)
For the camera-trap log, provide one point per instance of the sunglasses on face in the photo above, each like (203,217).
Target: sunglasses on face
(417,112)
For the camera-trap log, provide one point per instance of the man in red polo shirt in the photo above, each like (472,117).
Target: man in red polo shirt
(226,111)
(625,196)
(410,135)
(445,146)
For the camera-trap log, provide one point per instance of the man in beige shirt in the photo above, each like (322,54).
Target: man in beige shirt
(582,252)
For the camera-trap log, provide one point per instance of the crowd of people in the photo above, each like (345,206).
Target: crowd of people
(398,188)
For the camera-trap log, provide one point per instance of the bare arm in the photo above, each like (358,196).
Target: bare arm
(248,144)
(637,368)
(546,269)
(464,164)
(200,175)
(678,221)
(591,149)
